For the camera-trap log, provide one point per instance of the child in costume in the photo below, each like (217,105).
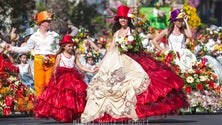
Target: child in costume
(64,97)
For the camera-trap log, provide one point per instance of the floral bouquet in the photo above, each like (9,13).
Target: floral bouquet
(130,43)
(47,60)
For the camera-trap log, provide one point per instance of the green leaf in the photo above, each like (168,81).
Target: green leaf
(114,10)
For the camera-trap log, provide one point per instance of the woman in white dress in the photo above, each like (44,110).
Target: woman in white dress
(131,86)
(176,35)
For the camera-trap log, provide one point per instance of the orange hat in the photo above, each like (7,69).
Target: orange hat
(122,11)
(43,16)
(67,39)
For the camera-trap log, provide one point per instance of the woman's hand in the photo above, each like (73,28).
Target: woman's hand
(95,70)
(9,47)
(185,18)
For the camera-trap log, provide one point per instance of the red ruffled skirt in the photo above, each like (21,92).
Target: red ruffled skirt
(164,94)
(64,97)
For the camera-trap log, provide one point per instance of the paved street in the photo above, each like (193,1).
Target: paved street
(197,119)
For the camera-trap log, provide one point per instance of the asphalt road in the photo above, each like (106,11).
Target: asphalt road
(196,119)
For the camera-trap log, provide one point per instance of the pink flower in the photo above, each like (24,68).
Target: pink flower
(204,61)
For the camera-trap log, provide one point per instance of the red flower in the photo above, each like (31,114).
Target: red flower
(176,68)
(199,86)
(163,40)
(188,89)
(158,53)
(198,72)
(6,111)
(211,84)
(218,89)
(169,57)
(9,100)
(32,97)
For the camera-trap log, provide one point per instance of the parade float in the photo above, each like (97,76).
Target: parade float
(15,97)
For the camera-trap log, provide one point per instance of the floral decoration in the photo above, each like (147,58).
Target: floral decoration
(14,95)
(129,43)
(193,19)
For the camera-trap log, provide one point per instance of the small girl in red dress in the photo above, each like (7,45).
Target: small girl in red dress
(64,97)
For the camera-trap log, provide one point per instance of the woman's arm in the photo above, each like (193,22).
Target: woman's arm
(58,58)
(29,70)
(187,31)
(93,44)
(156,40)
(82,67)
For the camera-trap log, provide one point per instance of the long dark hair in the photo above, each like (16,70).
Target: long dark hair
(117,25)
(62,48)
(170,29)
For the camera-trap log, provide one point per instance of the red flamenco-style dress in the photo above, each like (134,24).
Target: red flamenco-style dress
(64,97)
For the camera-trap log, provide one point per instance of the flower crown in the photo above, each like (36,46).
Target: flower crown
(181,14)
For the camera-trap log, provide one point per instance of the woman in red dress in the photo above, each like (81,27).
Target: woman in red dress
(131,85)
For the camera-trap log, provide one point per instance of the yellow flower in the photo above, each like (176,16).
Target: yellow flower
(81,49)
(77,40)
(81,35)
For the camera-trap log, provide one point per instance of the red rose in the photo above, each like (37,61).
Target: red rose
(169,57)
(158,53)
(198,72)
(199,86)
(188,89)
(6,111)
(163,40)
(212,84)
(9,100)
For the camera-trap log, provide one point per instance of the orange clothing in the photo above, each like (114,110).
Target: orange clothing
(42,71)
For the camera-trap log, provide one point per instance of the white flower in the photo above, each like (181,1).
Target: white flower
(123,47)
(203,78)
(190,79)
(130,15)
(130,38)
(191,71)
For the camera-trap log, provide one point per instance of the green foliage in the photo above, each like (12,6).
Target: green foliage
(15,10)
(85,15)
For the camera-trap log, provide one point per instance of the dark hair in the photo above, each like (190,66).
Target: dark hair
(117,25)
(64,30)
(62,48)
(170,29)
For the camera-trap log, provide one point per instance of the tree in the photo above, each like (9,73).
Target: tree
(16,13)
(83,14)
(60,10)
